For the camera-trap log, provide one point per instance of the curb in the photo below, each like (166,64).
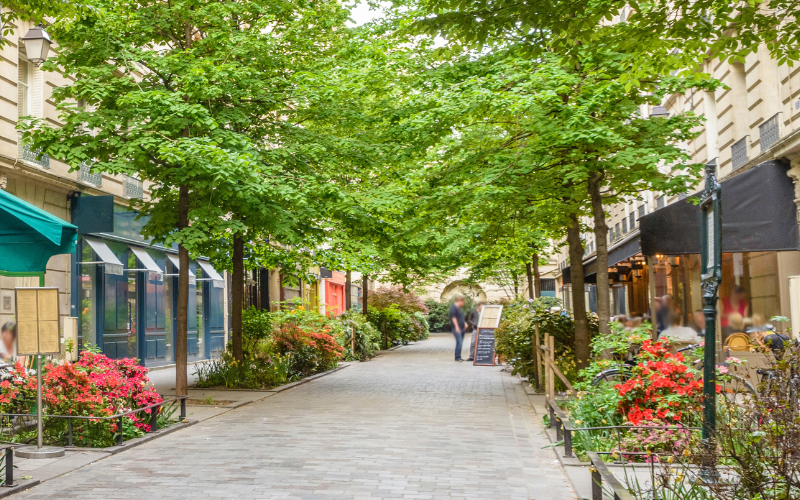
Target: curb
(292,385)
(22,485)
(132,443)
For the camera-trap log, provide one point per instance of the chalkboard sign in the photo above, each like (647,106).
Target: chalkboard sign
(484,348)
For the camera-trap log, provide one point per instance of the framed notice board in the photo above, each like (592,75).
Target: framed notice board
(37,321)
(484,342)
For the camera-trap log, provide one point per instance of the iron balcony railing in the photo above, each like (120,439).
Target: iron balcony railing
(739,153)
(770,132)
(26,154)
(85,175)
(132,187)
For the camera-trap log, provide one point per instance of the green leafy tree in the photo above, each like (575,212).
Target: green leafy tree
(202,100)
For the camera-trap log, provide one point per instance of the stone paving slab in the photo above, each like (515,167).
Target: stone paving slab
(409,424)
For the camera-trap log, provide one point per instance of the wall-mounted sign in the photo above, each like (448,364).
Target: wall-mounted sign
(37,321)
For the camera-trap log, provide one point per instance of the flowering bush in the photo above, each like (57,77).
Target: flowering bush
(662,386)
(658,441)
(94,386)
(311,351)
(386,296)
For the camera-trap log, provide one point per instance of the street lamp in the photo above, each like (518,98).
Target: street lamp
(659,112)
(37,44)
(711,226)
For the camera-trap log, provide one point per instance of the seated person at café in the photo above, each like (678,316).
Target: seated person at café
(677,333)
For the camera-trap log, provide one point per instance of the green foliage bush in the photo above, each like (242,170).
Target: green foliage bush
(398,327)
(515,335)
(438,315)
(367,337)
(278,347)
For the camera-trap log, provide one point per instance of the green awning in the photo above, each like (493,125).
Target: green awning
(29,236)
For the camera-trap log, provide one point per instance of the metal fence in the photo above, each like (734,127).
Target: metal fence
(132,187)
(85,174)
(25,153)
(770,132)
(21,421)
(739,153)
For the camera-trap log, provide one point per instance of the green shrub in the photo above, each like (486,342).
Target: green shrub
(367,337)
(515,334)
(438,315)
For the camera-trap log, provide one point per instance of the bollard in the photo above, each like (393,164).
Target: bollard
(154,419)
(10,467)
(183,408)
(119,432)
(567,442)
(69,432)
(597,484)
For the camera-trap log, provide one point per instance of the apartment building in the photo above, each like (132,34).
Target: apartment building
(751,135)
(117,291)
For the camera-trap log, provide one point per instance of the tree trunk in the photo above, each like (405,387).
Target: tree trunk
(582,350)
(365,294)
(537,276)
(264,284)
(601,235)
(182,314)
(348,285)
(515,277)
(237,299)
(529,272)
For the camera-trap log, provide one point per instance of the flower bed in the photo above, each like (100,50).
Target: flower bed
(94,386)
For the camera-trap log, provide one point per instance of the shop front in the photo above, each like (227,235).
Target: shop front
(127,295)
(658,269)
(760,257)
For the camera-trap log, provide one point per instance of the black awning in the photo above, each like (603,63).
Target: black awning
(758,215)
(623,251)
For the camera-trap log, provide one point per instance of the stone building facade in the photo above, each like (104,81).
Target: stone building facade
(750,122)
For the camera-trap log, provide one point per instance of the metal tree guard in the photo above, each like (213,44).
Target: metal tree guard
(711,225)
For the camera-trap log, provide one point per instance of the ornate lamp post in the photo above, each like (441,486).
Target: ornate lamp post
(37,44)
(711,226)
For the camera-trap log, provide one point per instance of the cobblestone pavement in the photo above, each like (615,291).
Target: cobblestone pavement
(409,424)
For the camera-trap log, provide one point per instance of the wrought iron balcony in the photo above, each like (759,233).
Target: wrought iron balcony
(26,154)
(85,175)
(132,187)
(770,132)
(739,153)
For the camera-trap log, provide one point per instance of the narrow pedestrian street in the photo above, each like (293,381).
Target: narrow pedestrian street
(409,424)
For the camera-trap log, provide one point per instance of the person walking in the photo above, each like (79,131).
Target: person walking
(472,322)
(457,319)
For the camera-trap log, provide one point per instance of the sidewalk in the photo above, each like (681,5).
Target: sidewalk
(409,424)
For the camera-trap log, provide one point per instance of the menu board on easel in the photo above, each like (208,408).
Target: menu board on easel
(37,321)
(484,343)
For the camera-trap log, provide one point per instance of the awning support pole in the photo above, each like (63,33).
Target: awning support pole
(651,294)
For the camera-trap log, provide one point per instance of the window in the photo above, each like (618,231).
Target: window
(24,88)
(616,231)
(624,226)
(641,211)
(548,284)
(661,202)
(632,221)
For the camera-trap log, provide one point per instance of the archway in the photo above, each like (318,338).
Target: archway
(463,288)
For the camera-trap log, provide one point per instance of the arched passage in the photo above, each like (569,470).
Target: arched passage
(463,288)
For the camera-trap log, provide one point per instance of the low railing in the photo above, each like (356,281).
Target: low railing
(119,417)
(564,429)
(601,475)
(770,132)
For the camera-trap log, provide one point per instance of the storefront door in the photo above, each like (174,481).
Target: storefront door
(121,311)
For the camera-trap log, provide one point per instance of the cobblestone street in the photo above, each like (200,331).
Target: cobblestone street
(409,424)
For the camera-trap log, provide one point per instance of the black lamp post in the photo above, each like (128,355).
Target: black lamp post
(37,44)
(711,226)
